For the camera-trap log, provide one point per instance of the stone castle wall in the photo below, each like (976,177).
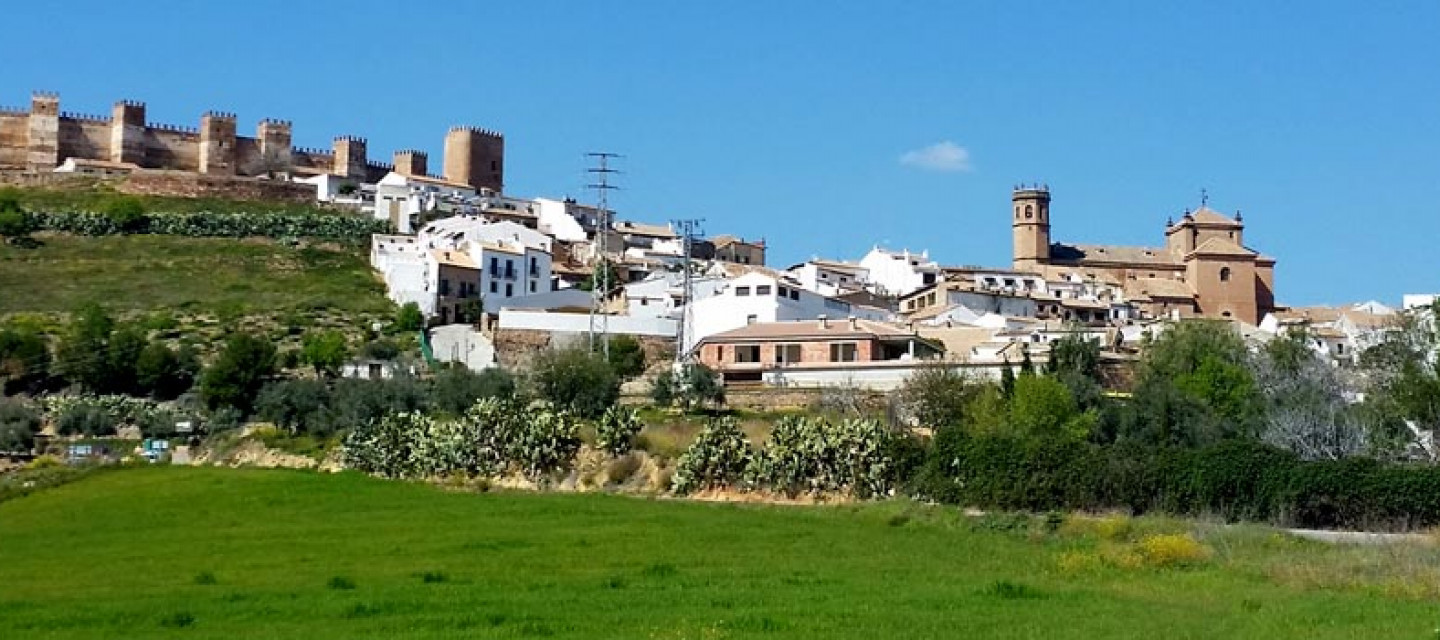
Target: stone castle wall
(42,137)
(14,135)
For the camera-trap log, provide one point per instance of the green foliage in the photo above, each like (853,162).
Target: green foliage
(817,457)
(627,356)
(719,457)
(576,380)
(298,406)
(936,396)
(1236,480)
(381,349)
(604,269)
(1194,387)
(662,388)
(696,386)
(456,388)
(24,360)
(616,429)
(127,213)
(326,352)
(238,373)
(126,218)
(85,420)
(83,353)
(18,425)
(166,373)
(409,318)
(1042,407)
(493,437)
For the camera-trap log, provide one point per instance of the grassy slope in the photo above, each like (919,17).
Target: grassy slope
(199,274)
(118,555)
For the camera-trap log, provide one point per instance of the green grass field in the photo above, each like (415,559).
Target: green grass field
(218,553)
(184,274)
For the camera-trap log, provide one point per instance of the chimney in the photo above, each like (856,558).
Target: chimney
(824,322)
(854,324)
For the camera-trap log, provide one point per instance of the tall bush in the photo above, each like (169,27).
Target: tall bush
(718,457)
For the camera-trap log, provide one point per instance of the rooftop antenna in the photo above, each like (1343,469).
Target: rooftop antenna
(600,282)
(689,228)
(1204,197)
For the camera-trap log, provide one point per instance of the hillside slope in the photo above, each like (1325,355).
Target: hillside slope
(143,272)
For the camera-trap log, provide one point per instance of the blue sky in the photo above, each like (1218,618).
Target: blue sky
(789,120)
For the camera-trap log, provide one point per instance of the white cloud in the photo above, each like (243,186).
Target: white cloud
(942,156)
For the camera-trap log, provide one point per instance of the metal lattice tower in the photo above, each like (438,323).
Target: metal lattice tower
(688,229)
(600,182)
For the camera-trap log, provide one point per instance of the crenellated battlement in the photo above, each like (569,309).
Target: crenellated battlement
(172,128)
(354,139)
(477,130)
(273,122)
(84,117)
(218,115)
(44,95)
(130,103)
(312,151)
(13,111)
(380,165)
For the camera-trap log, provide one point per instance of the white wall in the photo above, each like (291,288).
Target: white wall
(555,219)
(580,323)
(875,377)
(899,273)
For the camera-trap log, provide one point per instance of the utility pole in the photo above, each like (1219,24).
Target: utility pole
(688,229)
(600,281)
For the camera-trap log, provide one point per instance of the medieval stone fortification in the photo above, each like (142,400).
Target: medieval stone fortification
(44,137)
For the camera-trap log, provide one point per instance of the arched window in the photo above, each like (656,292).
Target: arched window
(1224,274)
(1029,211)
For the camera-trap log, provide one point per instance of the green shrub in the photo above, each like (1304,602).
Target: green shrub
(1235,480)
(814,456)
(575,379)
(238,373)
(627,356)
(409,318)
(616,429)
(18,425)
(127,213)
(456,388)
(211,224)
(719,457)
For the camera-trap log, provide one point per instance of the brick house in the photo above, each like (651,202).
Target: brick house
(745,354)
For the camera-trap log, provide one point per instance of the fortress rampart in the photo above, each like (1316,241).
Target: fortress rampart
(43,137)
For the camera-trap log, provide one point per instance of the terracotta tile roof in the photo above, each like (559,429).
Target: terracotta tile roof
(834,329)
(1153,288)
(1221,247)
(453,257)
(647,230)
(958,341)
(1095,253)
(1206,215)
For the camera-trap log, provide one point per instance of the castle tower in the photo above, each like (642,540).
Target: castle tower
(475,157)
(127,132)
(349,157)
(274,139)
(43,137)
(411,162)
(1030,226)
(217,143)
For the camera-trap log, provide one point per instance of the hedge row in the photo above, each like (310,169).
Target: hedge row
(213,224)
(1235,480)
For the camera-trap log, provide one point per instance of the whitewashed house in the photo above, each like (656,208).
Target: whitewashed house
(763,297)
(663,293)
(403,199)
(830,277)
(899,273)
